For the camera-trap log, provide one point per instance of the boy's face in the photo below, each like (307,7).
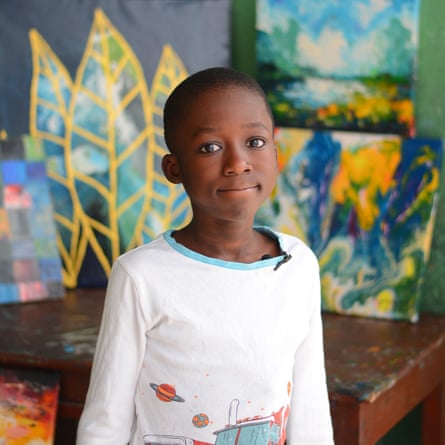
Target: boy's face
(224,154)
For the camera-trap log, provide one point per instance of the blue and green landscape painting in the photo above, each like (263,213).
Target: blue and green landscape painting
(339,65)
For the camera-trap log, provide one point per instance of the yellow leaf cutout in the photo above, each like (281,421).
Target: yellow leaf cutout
(169,204)
(108,134)
(51,87)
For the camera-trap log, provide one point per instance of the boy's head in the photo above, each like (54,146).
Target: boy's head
(188,91)
(220,133)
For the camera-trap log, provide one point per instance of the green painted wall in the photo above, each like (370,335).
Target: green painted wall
(430,112)
(430,116)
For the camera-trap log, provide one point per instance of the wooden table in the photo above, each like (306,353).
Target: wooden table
(378,371)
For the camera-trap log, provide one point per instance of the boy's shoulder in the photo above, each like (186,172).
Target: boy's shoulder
(155,248)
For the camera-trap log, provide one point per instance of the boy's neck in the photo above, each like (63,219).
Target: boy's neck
(243,245)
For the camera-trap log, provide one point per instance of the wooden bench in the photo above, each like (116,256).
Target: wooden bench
(378,371)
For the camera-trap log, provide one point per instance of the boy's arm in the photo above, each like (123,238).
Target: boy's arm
(108,415)
(309,422)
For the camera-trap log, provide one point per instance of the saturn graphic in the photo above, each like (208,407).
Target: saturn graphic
(166,392)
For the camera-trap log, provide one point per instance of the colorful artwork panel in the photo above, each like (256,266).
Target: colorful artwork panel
(28,406)
(30,264)
(339,65)
(366,204)
(95,76)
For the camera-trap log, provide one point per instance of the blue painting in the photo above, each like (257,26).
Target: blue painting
(366,204)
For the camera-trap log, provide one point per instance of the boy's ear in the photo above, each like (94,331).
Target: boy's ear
(170,168)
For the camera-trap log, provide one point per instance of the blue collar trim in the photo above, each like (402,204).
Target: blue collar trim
(260,264)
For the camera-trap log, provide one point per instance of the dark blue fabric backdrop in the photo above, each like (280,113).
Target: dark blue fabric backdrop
(198,30)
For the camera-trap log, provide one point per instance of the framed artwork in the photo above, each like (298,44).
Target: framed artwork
(366,204)
(339,65)
(89,79)
(30,265)
(28,407)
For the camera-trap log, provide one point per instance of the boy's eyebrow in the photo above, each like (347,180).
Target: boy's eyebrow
(204,130)
(255,125)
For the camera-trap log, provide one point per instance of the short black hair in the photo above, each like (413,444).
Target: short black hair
(199,82)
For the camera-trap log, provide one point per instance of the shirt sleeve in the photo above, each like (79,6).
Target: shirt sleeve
(108,414)
(310,422)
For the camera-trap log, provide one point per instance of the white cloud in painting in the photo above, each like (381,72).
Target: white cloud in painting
(353,39)
(269,17)
(324,53)
(408,21)
(367,11)
(264,21)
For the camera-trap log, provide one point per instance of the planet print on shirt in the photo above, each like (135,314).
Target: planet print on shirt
(166,392)
(200,420)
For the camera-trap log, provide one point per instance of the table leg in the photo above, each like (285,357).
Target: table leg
(433,417)
(346,422)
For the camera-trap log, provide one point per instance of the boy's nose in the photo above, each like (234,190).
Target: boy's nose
(236,162)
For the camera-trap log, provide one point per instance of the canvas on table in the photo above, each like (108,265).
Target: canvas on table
(30,265)
(339,65)
(28,407)
(366,205)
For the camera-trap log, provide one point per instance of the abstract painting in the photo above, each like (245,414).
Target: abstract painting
(365,203)
(30,265)
(28,407)
(339,65)
(96,76)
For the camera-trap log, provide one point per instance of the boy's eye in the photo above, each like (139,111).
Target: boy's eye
(256,143)
(209,148)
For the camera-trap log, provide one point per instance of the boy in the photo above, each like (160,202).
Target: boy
(211,334)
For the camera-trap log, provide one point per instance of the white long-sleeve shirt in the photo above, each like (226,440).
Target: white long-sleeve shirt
(197,350)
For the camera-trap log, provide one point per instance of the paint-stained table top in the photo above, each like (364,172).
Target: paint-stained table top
(364,357)
(52,334)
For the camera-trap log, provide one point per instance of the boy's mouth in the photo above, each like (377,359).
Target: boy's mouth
(239,189)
